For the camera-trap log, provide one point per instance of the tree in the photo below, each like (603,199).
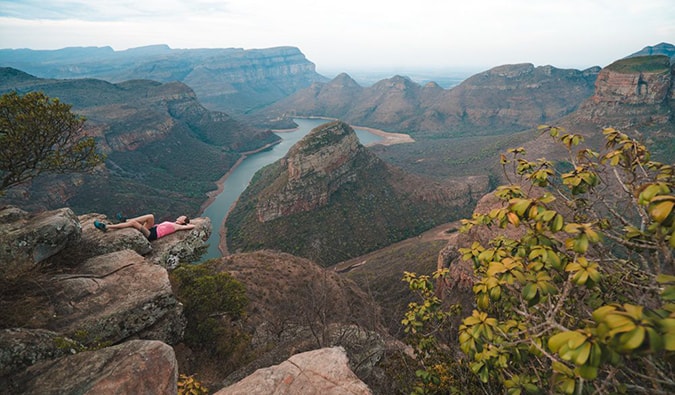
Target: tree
(40,135)
(582,299)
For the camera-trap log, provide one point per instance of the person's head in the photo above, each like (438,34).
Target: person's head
(183,220)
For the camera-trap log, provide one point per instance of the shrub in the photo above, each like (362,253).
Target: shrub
(580,301)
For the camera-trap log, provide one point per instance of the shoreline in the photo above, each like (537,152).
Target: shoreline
(220,183)
(388,139)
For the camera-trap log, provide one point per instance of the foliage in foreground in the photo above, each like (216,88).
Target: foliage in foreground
(214,302)
(582,300)
(39,135)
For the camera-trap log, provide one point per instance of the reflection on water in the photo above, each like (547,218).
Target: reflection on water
(239,178)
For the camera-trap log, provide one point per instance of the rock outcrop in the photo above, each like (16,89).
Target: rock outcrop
(319,372)
(100,291)
(632,92)
(27,240)
(316,167)
(348,201)
(134,367)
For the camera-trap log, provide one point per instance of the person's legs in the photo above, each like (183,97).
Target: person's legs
(147,220)
(132,223)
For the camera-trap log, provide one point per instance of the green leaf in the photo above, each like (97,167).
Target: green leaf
(529,291)
(587,372)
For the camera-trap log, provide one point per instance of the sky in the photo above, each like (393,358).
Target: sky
(351,35)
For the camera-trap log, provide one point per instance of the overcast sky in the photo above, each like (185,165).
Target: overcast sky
(348,35)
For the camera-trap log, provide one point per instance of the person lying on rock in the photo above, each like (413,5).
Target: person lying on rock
(146,225)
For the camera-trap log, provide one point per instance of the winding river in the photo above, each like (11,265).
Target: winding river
(239,177)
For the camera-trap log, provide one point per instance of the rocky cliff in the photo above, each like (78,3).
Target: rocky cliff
(632,91)
(73,288)
(93,312)
(232,80)
(150,132)
(347,200)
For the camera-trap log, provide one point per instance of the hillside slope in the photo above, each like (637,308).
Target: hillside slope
(150,132)
(330,199)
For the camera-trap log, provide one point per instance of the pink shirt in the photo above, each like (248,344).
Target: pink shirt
(165,228)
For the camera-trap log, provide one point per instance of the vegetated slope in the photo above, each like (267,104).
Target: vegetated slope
(330,199)
(380,273)
(164,150)
(232,80)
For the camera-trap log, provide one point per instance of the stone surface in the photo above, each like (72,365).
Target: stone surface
(113,297)
(319,372)
(182,246)
(134,367)
(28,239)
(21,348)
(168,252)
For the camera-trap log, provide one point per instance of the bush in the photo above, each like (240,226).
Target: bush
(214,302)
(581,301)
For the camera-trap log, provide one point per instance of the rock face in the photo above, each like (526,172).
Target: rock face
(319,372)
(29,239)
(134,367)
(348,201)
(632,92)
(100,291)
(232,80)
(316,167)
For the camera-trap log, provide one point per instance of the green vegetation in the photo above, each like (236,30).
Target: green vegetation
(362,216)
(189,385)
(214,302)
(638,64)
(41,135)
(578,301)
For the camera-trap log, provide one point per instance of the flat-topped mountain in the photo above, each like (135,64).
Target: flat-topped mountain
(503,99)
(330,199)
(164,149)
(232,80)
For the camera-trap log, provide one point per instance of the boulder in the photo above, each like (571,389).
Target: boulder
(324,371)
(134,367)
(96,242)
(183,246)
(27,239)
(169,251)
(113,297)
(20,348)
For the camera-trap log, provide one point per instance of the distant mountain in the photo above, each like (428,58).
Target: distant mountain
(503,99)
(666,49)
(231,80)
(165,150)
(330,199)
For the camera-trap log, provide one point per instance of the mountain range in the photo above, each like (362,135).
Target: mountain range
(232,80)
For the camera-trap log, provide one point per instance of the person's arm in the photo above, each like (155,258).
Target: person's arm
(184,227)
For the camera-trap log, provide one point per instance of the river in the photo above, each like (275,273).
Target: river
(239,177)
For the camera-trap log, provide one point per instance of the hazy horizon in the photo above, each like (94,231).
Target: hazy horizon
(353,35)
